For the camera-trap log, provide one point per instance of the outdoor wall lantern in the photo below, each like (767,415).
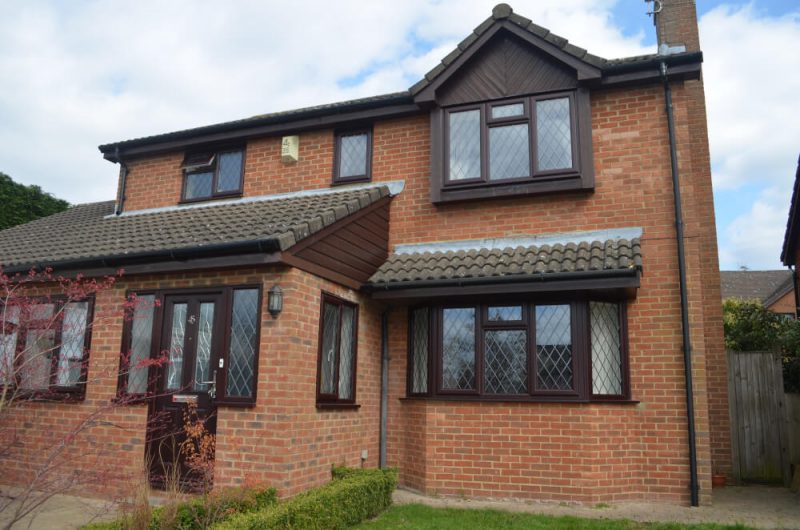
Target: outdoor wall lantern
(275,301)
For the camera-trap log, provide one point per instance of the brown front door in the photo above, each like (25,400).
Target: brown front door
(185,384)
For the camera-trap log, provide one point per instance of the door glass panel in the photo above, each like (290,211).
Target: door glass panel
(330,327)
(465,145)
(458,349)
(553,347)
(73,333)
(141,341)
(202,363)
(553,134)
(36,359)
(178,333)
(506,362)
(346,350)
(244,330)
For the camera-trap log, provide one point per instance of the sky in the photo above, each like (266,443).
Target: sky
(74,75)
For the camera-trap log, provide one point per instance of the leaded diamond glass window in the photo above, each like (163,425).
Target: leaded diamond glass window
(229,176)
(71,349)
(346,353)
(553,347)
(465,145)
(553,134)
(458,349)
(243,346)
(9,320)
(509,152)
(606,349)
(337,351)
(37,359)
(506,362)
(353,153)
(141,343)
(420,329)
(198,185)
(212,175)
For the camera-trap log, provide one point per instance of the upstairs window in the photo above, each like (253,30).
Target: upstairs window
(511,140)
(353,157)
(212,175)
(533,144)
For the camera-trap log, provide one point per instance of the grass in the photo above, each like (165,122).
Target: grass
(420,517)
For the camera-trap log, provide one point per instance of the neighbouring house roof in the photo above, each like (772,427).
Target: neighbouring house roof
(404,101)
(90,233)
(793,223)
(506,258)
(754,285)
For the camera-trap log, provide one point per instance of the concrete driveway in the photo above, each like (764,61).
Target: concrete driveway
(59,512)
(756,506)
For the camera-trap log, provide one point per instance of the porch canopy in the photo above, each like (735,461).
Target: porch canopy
(606,260)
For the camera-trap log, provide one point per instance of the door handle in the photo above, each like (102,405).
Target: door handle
(212,385)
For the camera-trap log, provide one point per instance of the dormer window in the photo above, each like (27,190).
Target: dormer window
(514,140)
(212,175)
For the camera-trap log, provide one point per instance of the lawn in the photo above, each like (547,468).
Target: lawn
(420,517)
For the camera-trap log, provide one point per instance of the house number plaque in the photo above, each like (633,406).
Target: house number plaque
(184,398)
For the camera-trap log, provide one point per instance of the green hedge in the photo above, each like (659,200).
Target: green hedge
(353,496)
(188,515)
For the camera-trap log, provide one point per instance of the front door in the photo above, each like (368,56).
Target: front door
(182,417)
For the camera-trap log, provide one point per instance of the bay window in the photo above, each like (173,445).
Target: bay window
(572,350)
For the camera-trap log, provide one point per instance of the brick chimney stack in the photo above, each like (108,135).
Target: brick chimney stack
(676,25)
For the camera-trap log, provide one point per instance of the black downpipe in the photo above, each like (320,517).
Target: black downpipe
(796,294)
(384,387)
(687,345)
(123,178)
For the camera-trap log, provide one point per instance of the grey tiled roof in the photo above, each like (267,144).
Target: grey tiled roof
(91,231)
(584,256)
(753,285)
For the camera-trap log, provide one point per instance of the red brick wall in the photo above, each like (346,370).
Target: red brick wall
(553,451)
(784,304)
(283,441)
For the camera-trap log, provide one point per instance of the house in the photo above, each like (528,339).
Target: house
(481,280)
(773,289)
(790,256)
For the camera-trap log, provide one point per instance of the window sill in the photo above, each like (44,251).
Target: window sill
(52,396)
(512,399)
(540,185)
(235,195)
(343,182)
(338,406)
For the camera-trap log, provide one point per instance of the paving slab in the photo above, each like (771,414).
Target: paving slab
(59,512)
(756,506)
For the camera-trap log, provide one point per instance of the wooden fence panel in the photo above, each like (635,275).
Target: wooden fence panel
(758,414)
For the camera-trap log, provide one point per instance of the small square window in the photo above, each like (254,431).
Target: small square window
(212,175)
(353,157)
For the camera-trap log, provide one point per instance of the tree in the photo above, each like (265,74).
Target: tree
(22,204)
(749,326)
(45,321)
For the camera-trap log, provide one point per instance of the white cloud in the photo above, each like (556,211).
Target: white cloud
(752,77)
(76,75)
(754,239)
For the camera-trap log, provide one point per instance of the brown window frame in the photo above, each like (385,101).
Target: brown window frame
(214,163)
(581,351)
(55,392)
(325,401)
(158,316)
(367,177)
(580,176)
